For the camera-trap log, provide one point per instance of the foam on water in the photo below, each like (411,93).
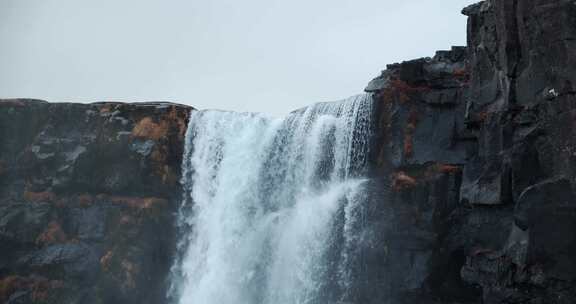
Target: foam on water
(270,204)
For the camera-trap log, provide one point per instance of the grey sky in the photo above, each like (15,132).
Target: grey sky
(259,55)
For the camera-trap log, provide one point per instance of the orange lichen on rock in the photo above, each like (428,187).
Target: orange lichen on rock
(52,235)
(408,144)
(172,121)
(448,168)
(462,74)
(180,121)
(85,200)
(437,170)
(35,197)
(147,128)
(401,85)
(40,287)
(482,116)
(408,140)
(386,95)
(401,181)
(139,202)
(398,90)
(404,90)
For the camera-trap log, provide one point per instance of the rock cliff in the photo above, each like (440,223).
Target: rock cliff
(477,145)
(473,171)
(87,196)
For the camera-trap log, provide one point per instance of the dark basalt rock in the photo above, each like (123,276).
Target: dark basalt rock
(87,197)
(479,150)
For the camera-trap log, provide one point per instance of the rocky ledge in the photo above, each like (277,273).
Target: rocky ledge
(87,197)
(477,158)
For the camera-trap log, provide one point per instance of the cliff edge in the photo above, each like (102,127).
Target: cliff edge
(478,151)
(87,197)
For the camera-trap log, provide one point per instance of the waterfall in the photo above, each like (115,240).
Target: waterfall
(270,205)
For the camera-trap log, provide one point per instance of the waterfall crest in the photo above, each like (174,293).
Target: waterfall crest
(270,204)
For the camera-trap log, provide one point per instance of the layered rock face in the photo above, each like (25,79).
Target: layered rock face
(471,192)
(478,146)
(87,196)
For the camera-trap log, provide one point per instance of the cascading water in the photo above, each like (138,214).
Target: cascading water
(271,205)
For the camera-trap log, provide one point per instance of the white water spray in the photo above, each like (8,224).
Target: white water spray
(267,202)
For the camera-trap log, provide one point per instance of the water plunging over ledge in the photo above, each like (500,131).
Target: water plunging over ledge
(270,205)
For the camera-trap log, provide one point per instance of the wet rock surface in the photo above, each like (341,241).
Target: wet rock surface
(87,198)
(476,148)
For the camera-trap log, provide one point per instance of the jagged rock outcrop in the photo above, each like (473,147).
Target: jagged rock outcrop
(87,197)
(477,148)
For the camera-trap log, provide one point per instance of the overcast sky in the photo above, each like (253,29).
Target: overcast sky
(254,55)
